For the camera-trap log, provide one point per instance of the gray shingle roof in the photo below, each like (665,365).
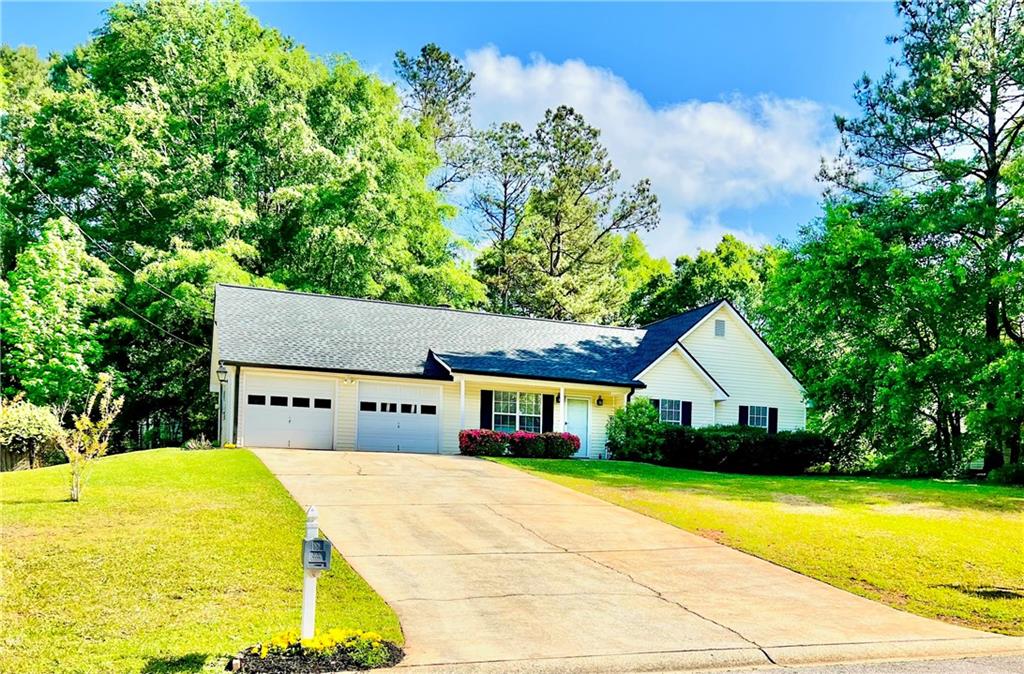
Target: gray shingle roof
(258,326)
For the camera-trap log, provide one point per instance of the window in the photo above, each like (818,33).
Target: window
(428,409)
(257,400)
(719,327)
(758,416)
(367,406)
(505,407)
(322,403)
(408,408)
(300,402)
(517,411)
(389,407)
(279,401)
(671,411)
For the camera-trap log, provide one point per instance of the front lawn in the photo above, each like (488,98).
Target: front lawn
(948,550)
(172,560)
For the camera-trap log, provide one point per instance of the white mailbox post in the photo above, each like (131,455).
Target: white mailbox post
(316,557)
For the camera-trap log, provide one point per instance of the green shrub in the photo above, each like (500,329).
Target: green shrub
(739,449)
(560,445)
(635,432)
(29,432)
(483,442)
(1011,473)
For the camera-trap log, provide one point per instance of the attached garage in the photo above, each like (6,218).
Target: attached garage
(288,411)
(398,417)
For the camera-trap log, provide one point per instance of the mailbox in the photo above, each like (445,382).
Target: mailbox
(316,554)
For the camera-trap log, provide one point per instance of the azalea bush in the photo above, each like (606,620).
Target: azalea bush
(526,445)
(560,445)
(521,444)
(333,650)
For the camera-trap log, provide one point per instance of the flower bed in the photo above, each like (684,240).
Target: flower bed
(330,651)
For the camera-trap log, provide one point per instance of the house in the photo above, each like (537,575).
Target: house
(326,372)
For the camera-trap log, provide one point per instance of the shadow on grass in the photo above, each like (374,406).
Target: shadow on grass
(837,490)
(987,592)
(192,662)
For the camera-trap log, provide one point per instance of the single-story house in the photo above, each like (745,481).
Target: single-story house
(325,372)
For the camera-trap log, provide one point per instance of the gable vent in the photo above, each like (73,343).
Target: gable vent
(719,328)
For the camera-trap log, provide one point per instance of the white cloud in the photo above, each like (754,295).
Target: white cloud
(702,156)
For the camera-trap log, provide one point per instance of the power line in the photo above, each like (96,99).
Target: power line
(115,258)
(95,242)
(158,327)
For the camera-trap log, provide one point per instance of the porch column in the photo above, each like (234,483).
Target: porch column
(462,403)
(561,407)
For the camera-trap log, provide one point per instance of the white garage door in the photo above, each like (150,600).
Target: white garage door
(398,417)
(287,411)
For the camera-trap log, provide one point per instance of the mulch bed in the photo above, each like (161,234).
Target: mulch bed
(278,663)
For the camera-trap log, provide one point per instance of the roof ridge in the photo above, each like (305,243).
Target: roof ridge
(688,311)
(427,306)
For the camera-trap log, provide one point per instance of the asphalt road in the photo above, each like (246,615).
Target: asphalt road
(1014,665)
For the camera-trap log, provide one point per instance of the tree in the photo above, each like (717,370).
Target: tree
(23,86)
(438,92)
(506,173)
(191,121)
(875,310)
(734,271)
(163,336)
(948,116)
(51,307)
(568,235)
(90,436)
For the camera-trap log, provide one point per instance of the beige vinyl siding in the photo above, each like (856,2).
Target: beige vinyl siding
(675,378)
(750,375)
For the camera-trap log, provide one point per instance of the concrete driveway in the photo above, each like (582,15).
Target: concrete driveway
(492,569)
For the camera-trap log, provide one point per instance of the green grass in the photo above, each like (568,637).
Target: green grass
(172,561)
(942,549)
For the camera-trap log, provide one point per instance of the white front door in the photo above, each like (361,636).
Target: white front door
(398,417)
(288,411)
(577,416)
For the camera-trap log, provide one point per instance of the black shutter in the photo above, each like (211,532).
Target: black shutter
(744,415)
(486,408)
(657,403)
(686,418)
(547,413)
(773,419)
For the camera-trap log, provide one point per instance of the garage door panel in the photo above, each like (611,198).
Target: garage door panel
(398,417)
(289,411)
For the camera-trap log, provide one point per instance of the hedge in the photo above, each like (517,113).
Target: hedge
(521,444)
(635,434)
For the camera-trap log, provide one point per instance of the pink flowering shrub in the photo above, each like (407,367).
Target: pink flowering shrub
(560,445)
(526,445)
(521,444)
(483,442)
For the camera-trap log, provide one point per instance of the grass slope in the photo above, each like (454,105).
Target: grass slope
(947,550)
(172,560)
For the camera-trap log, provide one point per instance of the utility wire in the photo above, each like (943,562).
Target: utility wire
(158,327)
(133,272)
(96,243)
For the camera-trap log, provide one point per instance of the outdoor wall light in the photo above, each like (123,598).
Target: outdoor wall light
(222,374)
(600,401)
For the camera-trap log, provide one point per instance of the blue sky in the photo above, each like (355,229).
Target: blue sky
(726,106)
